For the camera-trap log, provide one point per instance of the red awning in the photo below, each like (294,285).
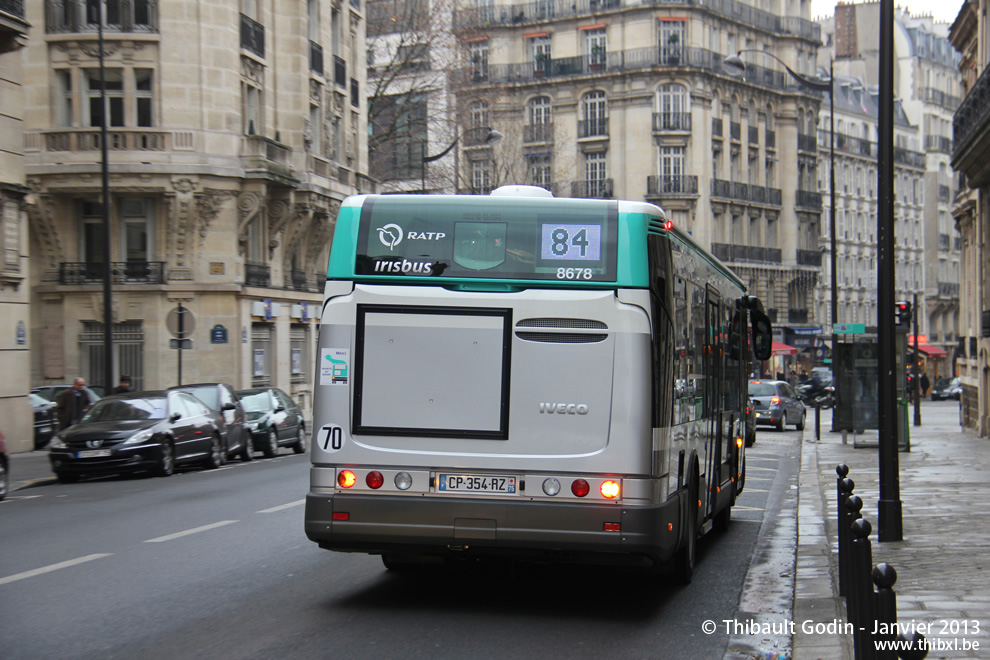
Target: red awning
(782,349)
(933,352)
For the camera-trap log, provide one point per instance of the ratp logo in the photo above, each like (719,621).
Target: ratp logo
(390,235)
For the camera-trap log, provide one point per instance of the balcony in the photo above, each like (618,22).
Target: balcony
(316,58)
(904,156)
(593,128)
(538,134)
(938,97)
(807,142)
(593,189)
(13,8)
(257,275)
(121,272)
(808,199)
(938,143)
(746,253)
(746,192)
(261,154)
(797,316)
(297,281)
(671,121)
(809,258)
(252,36)
(970,118)
(669,185)
(90,139)
(71,16)
(948,289)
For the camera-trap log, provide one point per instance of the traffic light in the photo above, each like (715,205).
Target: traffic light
(902,310)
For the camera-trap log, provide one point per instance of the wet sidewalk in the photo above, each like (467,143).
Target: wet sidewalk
(943,561)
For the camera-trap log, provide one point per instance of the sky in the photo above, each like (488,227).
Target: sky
(942,10)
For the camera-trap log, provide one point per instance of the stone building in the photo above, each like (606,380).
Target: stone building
(970,143)
(235,129)
(15,411)
(621,99)
(927,89)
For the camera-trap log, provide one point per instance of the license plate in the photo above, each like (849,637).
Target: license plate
(93,453)
(474,483)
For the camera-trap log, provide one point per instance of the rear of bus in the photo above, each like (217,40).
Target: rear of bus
(484,383)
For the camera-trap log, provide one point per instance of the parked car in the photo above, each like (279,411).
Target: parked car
(222,400)
(45,419)
(947,389)
(137,431)
(777,404)
(51,392)
(4,467)
(273,420)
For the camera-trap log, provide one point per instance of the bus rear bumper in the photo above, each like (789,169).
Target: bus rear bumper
(381,524)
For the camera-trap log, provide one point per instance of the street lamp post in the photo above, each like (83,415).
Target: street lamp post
(734,66)
(491,137)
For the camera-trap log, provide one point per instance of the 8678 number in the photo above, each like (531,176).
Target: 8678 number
(574,273)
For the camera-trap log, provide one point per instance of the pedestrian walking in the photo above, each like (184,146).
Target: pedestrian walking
(124,387)
(923,381)
(72,404)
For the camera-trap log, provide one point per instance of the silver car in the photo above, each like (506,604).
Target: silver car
(776,404)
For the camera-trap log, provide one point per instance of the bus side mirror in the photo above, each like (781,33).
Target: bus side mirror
(762,334)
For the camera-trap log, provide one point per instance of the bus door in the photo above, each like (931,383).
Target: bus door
(713,393)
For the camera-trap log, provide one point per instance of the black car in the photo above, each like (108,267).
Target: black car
(45,419)
(776,404)
(137,431)
(222,400)
(273,420)
(51,392)
(947,388)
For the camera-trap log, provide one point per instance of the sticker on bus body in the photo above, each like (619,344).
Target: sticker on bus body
(335,366)
(330,438)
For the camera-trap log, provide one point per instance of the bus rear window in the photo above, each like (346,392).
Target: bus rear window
(485,238)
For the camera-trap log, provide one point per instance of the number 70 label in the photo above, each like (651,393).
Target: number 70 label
(330,438)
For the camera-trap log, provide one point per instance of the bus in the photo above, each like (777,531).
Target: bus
(518,375)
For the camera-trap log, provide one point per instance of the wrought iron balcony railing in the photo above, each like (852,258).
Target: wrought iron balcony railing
(73,16)
(746,253)
(746,192)
(809,258)
(538,133)
(589,128)
(121,272)
(12,7)
(808,199)
(257,275)
(671,185)
(671,121)
(592,189)
(972,115)
(797,316)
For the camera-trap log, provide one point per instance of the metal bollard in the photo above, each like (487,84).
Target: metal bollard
(859,601)
(885,602)
(818,424)
(843,487)
(916,647)
(845,538)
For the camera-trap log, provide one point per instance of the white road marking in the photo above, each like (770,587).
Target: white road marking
(53,567)
(162,539)
(747,508)
(283,506)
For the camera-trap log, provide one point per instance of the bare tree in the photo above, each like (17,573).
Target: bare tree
(411,52)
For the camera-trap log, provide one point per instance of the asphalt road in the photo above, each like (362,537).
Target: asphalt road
(216,564)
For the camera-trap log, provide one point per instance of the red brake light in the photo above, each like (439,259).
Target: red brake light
(341,515)
(346,479)
(580,487)
(374,480)
(775,401)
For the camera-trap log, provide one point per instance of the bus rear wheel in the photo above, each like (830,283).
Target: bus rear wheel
(685,558)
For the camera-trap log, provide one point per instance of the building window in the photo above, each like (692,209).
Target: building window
(479,60)
(540,171)
(671,169)
(481,177)
(114,83)
(92,246)
(128,349)
(298,353)
(594,107)
(596,175)
(63,101)
(540,111)
(596,45)
(478,114)
(136,222)
(671,42)
(144,97)
(262,345)
(541,55)
(673,107)
(251,100)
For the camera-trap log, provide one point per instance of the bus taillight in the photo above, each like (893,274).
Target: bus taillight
(580,487)
(346,479)
(374,480)
(610,489)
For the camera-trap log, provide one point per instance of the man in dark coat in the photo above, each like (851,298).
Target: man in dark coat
(72,404)
(124,387)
